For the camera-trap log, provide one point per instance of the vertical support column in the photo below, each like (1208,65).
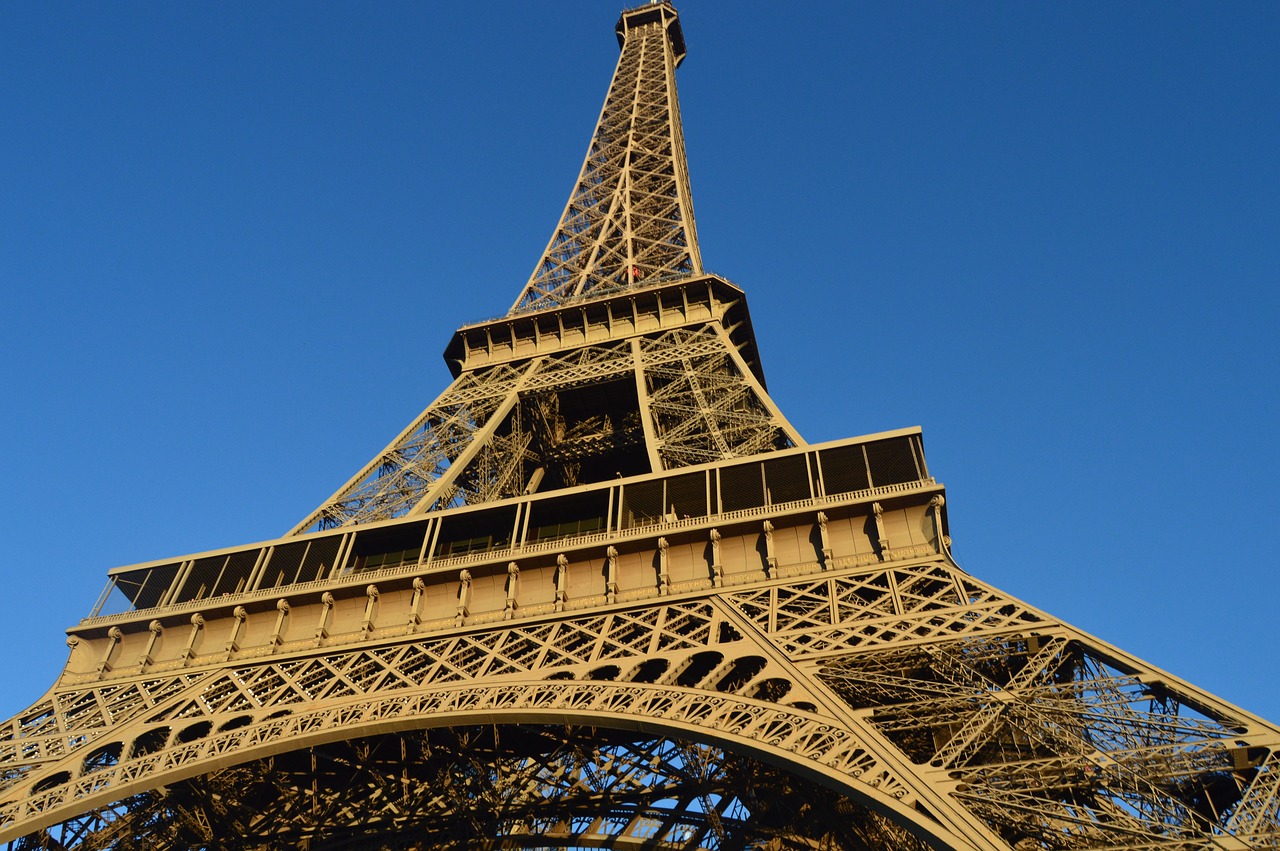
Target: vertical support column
(611,574)
(770,557)
(277,634)
(717,566)
(524,528)
(664,568)
(891,578)
(259,568)
(345,547)
(197,624)
(415,605)
(882,537)
(171,595)
(464,598)
(428,537)
(824,538)
(562,581)
(366,624)
(513,580)
(522,508)
(240,615)
(646,415)
(156,629)
(936,502)
(322,627)
(432,539)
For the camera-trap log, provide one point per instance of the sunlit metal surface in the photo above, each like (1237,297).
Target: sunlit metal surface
(601,594)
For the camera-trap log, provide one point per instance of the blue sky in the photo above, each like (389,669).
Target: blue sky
(234,240)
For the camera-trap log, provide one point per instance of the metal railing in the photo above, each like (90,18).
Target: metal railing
(511,553)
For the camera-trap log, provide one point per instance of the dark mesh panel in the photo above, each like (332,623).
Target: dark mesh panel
(741,487)
(687,495)
(844,469)
(282,569)
(319,559)
(787,479)
(892,461)
(568,516)
(235,576)
(144,588)
(204,574)
(375,549)
(157,584)
(641,504)
(476,531)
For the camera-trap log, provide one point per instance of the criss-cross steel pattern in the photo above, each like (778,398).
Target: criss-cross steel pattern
(956,713)
(629,220)
(524,787)
(628,227)
(663,400)
(396,481)
(1051,744)
(601,594)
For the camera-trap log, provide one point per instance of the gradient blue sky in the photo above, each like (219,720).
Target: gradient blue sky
(235,238)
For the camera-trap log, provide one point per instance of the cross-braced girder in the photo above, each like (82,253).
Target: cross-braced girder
(1055,747)
(629,220)
(489,787)
(705,404)
(936,696)
(394,482)
(656,402)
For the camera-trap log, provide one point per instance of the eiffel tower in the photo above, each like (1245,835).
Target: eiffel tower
(601,594)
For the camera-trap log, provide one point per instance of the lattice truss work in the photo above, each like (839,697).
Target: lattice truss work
(500,430)
(929,709)
(629,220)
(852,697)
(703,403)
(1056,748)
(490,787)
(568,419)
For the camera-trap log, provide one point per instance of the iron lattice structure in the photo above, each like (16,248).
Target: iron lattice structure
(601,594)
(629,219)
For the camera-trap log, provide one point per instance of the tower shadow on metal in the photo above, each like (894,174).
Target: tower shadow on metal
(600,593)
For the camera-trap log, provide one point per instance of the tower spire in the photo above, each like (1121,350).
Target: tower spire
(629,219)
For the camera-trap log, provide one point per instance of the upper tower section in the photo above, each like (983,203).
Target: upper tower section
(620,358)
(655,11)
(629,219)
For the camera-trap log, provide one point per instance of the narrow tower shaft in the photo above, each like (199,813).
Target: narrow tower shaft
(629,220)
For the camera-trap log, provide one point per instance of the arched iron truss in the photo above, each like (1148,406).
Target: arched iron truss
(492,786)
